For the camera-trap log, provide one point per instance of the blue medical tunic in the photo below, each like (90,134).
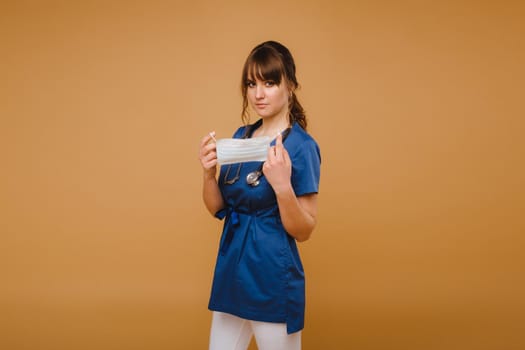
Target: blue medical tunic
(258,274)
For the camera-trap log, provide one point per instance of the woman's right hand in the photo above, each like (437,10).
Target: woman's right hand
(208,155)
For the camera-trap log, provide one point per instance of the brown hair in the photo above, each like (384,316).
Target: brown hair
(272,61)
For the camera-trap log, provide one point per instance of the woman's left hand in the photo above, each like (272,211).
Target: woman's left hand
(278,167)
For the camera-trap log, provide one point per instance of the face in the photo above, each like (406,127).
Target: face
(268,99)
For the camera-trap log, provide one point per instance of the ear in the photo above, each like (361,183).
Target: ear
(291,90)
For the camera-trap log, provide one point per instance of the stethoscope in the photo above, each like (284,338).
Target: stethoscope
(253,178)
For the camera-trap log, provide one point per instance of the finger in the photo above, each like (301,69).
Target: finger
(265,167)
(210,155)
(209,160)
(286,157)
(210,164)
(207,148)
(207,138)
(210,147)
(279,146)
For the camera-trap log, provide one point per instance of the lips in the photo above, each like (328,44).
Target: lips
(261,105)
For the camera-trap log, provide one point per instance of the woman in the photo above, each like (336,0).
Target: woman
(258,286)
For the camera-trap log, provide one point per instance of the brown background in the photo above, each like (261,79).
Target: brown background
(417,107)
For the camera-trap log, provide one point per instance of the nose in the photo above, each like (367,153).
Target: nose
(259,91)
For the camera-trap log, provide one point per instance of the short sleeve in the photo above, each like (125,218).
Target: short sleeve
(221,213)
(306,168)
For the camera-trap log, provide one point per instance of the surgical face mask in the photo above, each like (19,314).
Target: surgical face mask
(231,151)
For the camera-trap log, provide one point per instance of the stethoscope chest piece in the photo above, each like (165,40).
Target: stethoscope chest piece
(254,178)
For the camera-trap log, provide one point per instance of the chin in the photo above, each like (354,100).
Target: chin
(265,114)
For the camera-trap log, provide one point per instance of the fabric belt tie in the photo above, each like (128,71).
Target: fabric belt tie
(233,221)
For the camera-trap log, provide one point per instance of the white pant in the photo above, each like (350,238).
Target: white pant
(229,332)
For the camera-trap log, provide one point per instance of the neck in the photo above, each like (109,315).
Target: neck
(273,126)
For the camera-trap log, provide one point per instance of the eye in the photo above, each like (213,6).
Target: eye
(269,83)
(250,83)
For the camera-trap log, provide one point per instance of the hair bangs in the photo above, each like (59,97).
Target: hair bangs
(265,65)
